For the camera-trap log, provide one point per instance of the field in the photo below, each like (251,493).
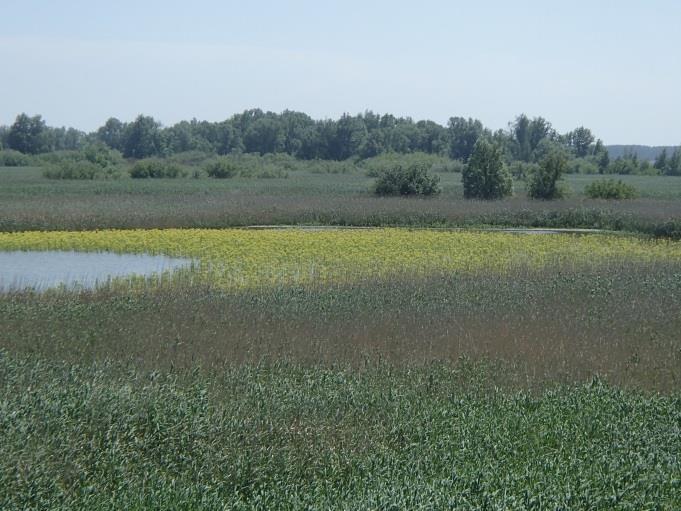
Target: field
(30,202)
(381,368)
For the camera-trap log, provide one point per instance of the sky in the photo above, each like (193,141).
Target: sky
(612,66)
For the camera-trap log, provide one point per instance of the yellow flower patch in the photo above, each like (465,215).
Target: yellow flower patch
(236,258)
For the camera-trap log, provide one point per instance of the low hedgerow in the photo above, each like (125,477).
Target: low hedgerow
(156,168)
(12,158)
(221,168)
(80,170)
(610,189)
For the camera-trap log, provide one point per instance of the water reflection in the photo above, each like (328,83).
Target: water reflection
(41,270)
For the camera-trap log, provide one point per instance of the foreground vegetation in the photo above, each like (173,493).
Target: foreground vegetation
(287,437)
(530,390)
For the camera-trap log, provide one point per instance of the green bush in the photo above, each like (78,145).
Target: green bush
(222,168)
(83,169)
(407,180)
(12,158)
(156,168)
(544,181)
(102,155)
(610,189)
(485,176)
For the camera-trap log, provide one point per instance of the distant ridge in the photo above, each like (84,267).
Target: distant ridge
(644,152)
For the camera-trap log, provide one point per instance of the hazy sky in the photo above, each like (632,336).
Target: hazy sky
(613,66)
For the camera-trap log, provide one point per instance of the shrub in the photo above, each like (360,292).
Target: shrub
(222,168)
(407,180)
(155,168)
(485,176)
(12,158)
(544,181)
(102,155)
(84,169)
(610,189)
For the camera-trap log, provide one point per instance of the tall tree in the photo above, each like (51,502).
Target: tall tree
(661,161)
(463,134)
(112,133)
(544,181)
(580,139)
(142,138)
(528,134)
(265,135)
(674,163)
(28,134)
(486,176)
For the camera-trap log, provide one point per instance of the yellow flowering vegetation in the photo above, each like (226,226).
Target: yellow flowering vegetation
(234,258)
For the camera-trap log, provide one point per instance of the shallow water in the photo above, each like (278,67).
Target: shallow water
(41,270)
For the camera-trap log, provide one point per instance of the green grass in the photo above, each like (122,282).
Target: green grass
(30,202)
(28,181)
(289,437)
(546,326)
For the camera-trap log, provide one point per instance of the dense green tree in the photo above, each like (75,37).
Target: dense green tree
(544,181)
(580,139)
(296,126)
(463,134)
(661,161)
(350,135)
(527,134)
(111,133)
(4,130)
(264,135)
(673,167)
(297,134)
(486,176)
(432,138)
(142,138)
(224,137)
(601,157)
(28,135)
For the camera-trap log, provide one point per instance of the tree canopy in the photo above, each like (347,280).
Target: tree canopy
(526,140)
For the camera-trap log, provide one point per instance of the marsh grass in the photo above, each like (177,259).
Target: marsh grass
(619,321)
(551,389)
(286,436)
(28,202)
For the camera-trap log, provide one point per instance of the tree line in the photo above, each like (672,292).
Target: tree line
(525,140)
